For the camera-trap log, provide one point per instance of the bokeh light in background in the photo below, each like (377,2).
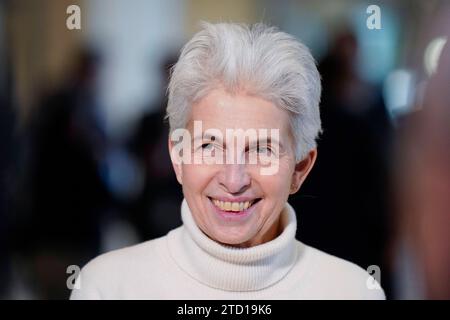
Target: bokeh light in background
(433,53)
(81,120)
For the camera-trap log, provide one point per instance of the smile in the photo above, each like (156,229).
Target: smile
(234,206)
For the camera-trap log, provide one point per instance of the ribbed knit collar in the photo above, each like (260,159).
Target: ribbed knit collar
(229,268)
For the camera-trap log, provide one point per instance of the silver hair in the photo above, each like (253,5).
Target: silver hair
(260,59)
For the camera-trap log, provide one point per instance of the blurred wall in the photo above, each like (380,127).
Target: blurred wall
(134,40)
(40,45)
(245,11)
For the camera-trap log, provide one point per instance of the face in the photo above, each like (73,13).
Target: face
(232,202)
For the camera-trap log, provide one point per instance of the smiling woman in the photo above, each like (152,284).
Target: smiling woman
(215,192)
(237,240)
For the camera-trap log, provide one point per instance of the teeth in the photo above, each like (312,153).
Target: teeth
(232,206)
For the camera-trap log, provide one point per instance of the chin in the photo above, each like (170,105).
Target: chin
(235,241)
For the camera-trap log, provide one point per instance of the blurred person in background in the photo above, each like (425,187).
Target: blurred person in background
(155,211)
(346,195)
(61,198)
(422,170)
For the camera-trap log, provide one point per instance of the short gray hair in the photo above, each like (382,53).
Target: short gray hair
(264,61)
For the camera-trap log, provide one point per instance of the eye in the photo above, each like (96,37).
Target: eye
(207,145)
(260,149)
(264,149)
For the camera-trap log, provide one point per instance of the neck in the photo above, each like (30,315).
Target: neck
(274,231)
(235,268)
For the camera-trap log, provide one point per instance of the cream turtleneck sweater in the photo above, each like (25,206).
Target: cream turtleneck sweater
(186,264)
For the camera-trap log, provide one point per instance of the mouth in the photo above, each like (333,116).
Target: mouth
(234,207)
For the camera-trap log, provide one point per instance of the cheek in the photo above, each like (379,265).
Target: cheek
(197,177)
(277,185)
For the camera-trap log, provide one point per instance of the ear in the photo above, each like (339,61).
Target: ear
(302,170)
(176,162)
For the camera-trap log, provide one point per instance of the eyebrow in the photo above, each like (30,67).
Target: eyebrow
(211,137)
(205,136)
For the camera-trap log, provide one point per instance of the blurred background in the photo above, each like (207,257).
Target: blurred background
(83,162)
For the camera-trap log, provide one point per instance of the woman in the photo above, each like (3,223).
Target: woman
(235,82)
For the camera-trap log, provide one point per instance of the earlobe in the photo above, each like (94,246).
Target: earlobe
(176,162)
(302,170)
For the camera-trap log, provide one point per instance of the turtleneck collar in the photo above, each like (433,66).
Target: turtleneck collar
(229,268)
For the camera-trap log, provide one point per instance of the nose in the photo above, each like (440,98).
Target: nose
(234,178)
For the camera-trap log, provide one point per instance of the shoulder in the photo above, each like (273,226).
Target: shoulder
(125,256)
(108,272)
(338,278)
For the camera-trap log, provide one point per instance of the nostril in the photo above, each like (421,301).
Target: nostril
(237,190)
(234,179)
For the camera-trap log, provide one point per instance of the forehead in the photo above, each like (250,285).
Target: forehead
(221,110)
